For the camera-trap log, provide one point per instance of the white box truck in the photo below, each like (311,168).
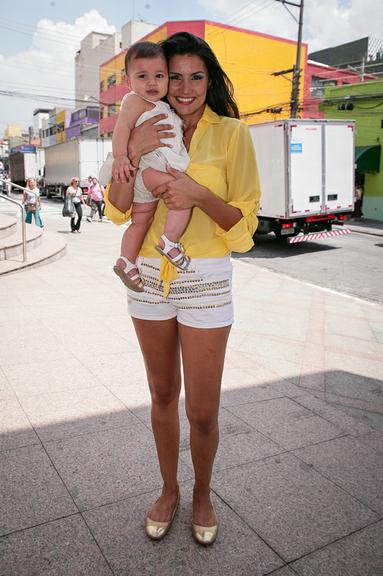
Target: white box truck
(76,158)
(306,171)
(23,164)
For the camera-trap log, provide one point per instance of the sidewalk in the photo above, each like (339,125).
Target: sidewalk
(365,226)
(298,477)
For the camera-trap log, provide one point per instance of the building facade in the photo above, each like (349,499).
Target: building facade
(249,58)
(95,49)
(318,76)
(64,125)
(363,103)
(364,55)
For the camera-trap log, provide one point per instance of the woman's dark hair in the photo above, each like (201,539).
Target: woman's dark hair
(143,50)
(220,92)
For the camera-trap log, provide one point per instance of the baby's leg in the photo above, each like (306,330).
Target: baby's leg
(142,218)
(153,178)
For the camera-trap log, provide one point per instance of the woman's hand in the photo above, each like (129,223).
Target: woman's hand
(147,137)
(180,193)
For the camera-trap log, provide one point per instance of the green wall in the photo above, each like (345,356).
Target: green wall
(367,99)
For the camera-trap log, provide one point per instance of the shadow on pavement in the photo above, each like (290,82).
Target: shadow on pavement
(297,482)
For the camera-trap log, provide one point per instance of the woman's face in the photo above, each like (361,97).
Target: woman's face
(188,84)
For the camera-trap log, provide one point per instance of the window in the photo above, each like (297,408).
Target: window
(111,80)
(102,86)
(316,88)
(93,113)
(318,84)
(123,75)
(112,110)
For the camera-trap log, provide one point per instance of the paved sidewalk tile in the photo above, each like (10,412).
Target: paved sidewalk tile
(374,440)
(74,412)
(352,466)
(360,554)
(57,548)
(333,414)
(292,507)
(49,376)
(119,531)
(5,387)
(35,493)
(107,466)
(286,422)
(15,428)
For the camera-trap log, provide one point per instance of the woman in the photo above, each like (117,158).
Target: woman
(32,204)
(191,312)
(74,191)
(96,199)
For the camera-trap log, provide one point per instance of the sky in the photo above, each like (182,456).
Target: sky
(39,39)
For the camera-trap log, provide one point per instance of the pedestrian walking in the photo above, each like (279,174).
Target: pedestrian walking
(75,193)
(96,200)
(190,312)
(32,203)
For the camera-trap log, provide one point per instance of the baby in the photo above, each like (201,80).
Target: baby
(147,77)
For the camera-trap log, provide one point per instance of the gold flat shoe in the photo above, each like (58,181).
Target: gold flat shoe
(204,535)
(158,530)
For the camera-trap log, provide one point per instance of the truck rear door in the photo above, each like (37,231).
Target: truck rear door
(305,168)
(339,166)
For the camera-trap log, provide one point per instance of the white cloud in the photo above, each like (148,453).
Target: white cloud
(46,68)
(326,22)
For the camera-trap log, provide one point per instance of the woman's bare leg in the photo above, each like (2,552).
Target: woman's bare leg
(202,391)
(160,348)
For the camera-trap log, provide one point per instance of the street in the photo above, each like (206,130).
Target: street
(350,264)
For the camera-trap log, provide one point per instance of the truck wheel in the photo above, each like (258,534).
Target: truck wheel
(48,194)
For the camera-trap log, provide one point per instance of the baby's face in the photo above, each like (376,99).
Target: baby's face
(148,77)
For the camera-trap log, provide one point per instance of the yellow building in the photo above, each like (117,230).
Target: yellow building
(12,130)
(250,59)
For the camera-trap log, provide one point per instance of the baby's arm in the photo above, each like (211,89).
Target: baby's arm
(131,108)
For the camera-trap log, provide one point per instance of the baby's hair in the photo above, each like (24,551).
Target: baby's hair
(143,50)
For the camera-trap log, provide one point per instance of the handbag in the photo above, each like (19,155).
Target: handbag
(68,208)
(31,208)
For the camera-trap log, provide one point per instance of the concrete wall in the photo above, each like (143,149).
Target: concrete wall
(95,49)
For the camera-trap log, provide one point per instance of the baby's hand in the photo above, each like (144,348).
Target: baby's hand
(122,169)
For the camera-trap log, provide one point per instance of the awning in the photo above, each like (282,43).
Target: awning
(367,158)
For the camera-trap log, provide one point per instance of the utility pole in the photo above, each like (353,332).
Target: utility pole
(294,102)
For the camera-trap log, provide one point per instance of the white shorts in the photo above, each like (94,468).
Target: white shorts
(201,297)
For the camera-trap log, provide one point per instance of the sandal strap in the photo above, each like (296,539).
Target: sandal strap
(128,264)
(169,245)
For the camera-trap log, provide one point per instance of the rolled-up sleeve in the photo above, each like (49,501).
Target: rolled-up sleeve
(112,213)
(243,190)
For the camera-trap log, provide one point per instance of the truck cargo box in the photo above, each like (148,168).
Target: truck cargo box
(306,170)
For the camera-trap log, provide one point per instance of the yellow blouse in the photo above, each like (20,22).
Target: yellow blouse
(222,158)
